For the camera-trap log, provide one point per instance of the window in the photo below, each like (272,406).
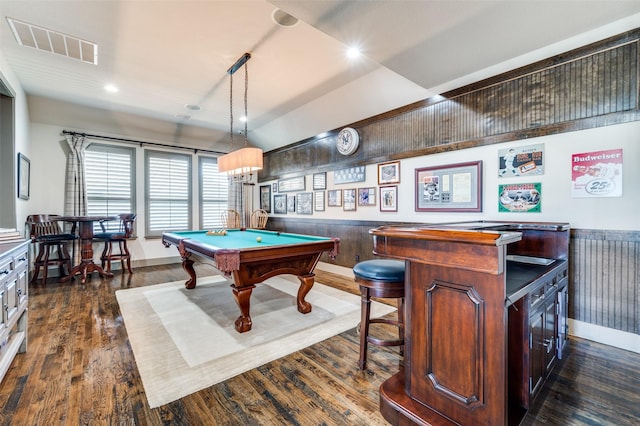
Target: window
(109,171)
(168,192)
(214,193)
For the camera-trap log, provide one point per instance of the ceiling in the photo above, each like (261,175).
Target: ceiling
(165,54)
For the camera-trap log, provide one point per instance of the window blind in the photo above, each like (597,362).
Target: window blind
(168,192)
(214,193)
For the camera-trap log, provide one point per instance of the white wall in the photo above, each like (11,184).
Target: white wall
(21,132)
(619,213)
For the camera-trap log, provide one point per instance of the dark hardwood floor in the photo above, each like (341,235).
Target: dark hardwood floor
(79,370)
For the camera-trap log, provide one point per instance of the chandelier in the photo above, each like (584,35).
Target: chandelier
(242,163)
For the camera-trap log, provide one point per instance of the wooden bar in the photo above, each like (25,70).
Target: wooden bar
(468,359)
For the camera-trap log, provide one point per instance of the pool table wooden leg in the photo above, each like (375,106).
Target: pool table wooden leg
(187,265)
(306,282)
(243,297)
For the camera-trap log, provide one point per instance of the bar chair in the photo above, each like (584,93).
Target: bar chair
(381,278)
(259,219)
(120,236)
(231,219)
(45,231)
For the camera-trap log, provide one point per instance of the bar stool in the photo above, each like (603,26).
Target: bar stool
(120,236)
(44,230)
(381,278)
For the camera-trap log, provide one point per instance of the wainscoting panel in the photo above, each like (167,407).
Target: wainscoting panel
(604,266)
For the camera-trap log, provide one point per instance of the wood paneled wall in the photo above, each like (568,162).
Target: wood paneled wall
(604,275)
(593,86)
(605,278)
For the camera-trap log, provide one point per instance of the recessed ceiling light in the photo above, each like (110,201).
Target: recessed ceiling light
(192,107)
(111,88)
(353,52)
(283,19)
(243,118)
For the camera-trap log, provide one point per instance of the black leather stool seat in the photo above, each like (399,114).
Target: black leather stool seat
(381,278)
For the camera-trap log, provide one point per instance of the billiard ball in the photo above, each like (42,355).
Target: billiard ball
(259,239)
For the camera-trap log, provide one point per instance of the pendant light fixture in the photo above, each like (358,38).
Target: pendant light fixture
(242,163)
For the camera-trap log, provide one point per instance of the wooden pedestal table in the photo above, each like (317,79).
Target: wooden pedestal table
(85,233)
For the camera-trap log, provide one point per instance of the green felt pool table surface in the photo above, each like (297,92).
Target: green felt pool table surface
(240,255)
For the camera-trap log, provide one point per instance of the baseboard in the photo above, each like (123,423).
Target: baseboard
(605,335)
(335,269)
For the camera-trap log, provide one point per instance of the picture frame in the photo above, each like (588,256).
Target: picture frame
(291,203)
(291,184)
(304,203)
(280,204)
(350,175)
(389,198)
(318,201)
(24,177)
(449,188)
(319,181)
(388,173)
(367,196)
(349,200)
(334,198)
(265,198)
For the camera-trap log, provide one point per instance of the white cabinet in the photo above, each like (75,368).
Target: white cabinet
(14,267)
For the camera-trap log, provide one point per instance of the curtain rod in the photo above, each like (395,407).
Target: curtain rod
(131,141)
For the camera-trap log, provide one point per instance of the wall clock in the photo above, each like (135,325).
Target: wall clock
(347,141)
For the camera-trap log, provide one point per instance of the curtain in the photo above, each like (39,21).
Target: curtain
(76,187)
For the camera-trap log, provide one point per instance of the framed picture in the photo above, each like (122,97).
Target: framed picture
(367,196)
(389,198)
(349,200)
(334,198)
(24,177)
(265,198)
(291,203)
(320,180)
(450,188)
(389,173)
(304,203)
(280,204)
(291,184)
(520,197)
(350,175)
(318,201)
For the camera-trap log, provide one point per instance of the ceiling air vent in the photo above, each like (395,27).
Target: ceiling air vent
(54,42)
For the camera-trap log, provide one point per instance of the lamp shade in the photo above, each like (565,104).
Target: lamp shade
(241,162)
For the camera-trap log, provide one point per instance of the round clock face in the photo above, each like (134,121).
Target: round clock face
(347,141)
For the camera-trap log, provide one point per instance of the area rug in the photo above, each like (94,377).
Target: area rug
(184,340)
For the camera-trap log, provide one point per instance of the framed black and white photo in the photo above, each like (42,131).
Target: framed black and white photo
(304,203)
(280,204)
(265,198)
(318,201)
(291,203)
(389,173)
(349,200)
(389,198)
(334,198)
(24,177)
(291,184)
(320,180)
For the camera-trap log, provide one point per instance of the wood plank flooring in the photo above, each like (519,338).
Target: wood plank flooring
(79,370)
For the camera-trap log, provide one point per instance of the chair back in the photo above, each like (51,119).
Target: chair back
(126,223)
(125,227)
(231,219)
(40,225)
(259,219)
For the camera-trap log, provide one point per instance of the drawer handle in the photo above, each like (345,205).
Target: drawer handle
(5,272)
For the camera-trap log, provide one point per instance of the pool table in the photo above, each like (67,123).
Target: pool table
(250,256)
